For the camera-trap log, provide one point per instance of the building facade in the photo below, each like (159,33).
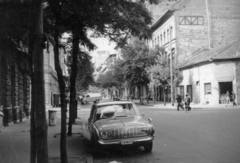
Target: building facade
(15,84)
(189,27)
(210,74)
(14,87)
(52,92)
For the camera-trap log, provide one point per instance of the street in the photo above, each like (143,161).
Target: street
(199,136)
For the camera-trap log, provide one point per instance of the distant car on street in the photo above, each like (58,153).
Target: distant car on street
(118,124)
(91,97)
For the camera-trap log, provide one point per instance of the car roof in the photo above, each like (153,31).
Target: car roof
(114,103)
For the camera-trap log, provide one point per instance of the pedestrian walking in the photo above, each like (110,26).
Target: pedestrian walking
(179,102)
(187,103)
(227,98)
(233,99)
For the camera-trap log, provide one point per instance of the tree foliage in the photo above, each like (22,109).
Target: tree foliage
(159,73)
(85,71)
(136,59)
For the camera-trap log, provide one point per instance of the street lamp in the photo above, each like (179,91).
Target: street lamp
(171,64)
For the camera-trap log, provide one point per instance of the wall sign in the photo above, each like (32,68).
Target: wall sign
(191,20)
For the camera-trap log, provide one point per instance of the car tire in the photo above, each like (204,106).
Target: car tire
(84,102)
(148,147)
(97,101)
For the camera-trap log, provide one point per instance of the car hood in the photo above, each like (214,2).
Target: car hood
(121,122)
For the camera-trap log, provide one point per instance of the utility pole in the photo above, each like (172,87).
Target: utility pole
(171,64)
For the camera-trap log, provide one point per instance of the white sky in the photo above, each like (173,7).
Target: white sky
(103,44)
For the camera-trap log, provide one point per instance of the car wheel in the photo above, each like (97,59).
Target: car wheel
(97,101)
(148,147)
(84,102)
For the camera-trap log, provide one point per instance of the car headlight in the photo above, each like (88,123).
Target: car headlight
(106,134)
(148,130)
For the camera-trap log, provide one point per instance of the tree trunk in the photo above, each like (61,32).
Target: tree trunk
(154,94)
(41,124)
(33,154)
(73,77)
(164,96)
(33,150)
(62,86)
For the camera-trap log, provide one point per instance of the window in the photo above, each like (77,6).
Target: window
(164,38)
(161,40)
(207,88)
(168,39)
(171,33)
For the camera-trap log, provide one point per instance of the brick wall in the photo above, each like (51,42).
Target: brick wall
(225,21)
(191,37)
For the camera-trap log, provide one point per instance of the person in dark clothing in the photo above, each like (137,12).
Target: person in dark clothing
(179,102)
(233,99)
(187,102)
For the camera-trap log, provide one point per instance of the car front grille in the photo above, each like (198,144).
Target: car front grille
(129,132)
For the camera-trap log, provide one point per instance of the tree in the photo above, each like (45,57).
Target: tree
(113,76)
(82,74)
(160,72)
(136,59)
(85,72)
(21,29)
(112,19)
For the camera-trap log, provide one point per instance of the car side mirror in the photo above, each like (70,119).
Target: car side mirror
(143,114)
(150,120)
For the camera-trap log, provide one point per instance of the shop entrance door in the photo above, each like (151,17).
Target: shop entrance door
(224,87)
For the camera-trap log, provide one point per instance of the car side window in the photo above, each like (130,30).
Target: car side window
(88,96)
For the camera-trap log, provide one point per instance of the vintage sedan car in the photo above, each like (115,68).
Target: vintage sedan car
(118,123)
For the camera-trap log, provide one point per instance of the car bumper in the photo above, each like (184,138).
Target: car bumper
(135,142)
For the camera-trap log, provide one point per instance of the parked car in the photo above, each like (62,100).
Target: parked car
(118,124)
(91,97)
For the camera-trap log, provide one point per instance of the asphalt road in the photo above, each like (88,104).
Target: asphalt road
(199,136)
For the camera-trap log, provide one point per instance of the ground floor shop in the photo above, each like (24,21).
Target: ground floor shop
(211,83)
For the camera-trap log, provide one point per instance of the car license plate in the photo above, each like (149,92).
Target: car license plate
(126,142)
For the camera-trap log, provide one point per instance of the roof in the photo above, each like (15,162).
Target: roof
(228,52)
(162,20)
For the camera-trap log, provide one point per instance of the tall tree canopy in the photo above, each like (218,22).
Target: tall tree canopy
(136,59)
(113,19)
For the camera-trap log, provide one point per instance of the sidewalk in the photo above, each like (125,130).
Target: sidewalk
(160,105)
(15,144)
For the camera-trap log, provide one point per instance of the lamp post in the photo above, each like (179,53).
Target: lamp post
(171,64)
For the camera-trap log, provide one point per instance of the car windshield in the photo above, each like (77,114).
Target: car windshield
(114,111)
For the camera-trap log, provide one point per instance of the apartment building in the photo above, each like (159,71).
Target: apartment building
(190,29)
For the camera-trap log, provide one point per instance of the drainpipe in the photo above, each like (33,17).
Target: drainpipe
(209,23)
